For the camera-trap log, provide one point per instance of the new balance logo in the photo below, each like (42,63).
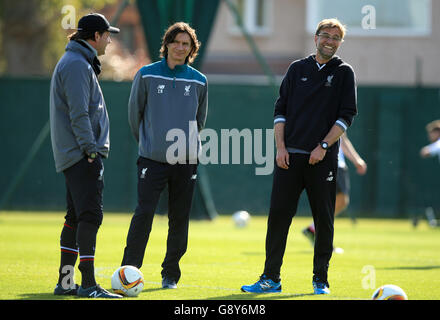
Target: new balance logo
(265,285)
(143,173)
(330,176)
(160,88)
(94,294)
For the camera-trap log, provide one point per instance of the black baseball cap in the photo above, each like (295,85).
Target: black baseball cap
(95,22)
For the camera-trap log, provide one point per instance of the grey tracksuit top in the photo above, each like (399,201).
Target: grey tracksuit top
(79,121)
(166,105)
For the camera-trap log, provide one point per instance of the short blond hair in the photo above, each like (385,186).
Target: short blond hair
(331,23)
(433,126)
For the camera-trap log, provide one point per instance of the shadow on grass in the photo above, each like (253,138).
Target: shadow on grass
(260,296)
(149,290)
(411,268)
(235,296)
(51,296)
(44,296)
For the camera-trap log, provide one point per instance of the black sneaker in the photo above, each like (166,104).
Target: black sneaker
(60,291)
(168,283)
(96,292)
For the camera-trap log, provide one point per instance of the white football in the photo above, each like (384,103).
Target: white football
(389,292)
(128,281)
(241,218)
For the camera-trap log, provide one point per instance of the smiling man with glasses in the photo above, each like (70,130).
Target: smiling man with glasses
(328,37)
(317,103)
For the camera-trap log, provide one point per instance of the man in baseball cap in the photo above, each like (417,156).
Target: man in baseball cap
(95,22)
(80,138)
(94,32)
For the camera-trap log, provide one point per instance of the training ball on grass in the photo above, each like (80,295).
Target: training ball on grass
(389,292)
(128,281)
(241,218)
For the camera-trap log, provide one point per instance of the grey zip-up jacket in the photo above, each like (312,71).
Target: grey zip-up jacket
(168,107)
(79,121)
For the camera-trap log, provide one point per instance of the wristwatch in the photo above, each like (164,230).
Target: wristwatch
(92,155)
(324,145)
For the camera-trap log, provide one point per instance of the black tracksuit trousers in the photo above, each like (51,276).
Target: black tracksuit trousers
(84,196)
(319,181)
(153,176)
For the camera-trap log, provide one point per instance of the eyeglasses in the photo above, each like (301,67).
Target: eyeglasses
(326,36)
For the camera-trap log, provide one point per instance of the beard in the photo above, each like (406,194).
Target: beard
(326,55)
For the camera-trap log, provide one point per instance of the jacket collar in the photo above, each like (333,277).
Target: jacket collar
(87,51)
(177,68)
(80,47)
(333,62)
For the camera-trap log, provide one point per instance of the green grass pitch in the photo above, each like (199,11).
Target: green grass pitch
(221,258)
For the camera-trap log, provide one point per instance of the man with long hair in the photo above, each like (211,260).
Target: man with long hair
(168,99)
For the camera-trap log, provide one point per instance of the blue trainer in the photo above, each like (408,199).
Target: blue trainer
(320,287)
(264,285)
